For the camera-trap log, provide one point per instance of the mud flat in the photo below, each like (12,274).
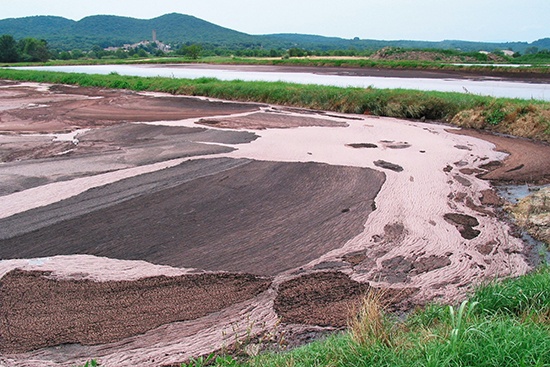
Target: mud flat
(146,238)
(375,72)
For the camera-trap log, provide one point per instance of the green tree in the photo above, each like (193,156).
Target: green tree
(192,51)
(142,53)
(77,54)
(64,55)
(296,52)
(531,50)
(274,53)
(8,49)
(32,49)
(121,54)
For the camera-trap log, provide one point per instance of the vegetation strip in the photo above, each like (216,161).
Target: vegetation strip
(525,118)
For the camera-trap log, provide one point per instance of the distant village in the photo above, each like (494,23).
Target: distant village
(159,45)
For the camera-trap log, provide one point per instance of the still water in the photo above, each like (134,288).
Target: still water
(488,87)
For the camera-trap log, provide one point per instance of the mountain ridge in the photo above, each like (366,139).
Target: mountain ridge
(178,29)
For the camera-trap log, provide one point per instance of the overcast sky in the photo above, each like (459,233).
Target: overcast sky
(431,20)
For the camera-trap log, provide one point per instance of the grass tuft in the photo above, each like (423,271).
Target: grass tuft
(370,324)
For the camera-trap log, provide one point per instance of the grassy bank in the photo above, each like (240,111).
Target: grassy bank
(526,118)
(503,324)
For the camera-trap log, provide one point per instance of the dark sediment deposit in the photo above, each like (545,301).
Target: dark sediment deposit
(235,215)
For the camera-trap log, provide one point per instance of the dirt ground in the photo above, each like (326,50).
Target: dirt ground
(528,161)
(144,243)
(88,312)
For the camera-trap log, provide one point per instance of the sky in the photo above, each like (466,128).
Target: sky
(428,20)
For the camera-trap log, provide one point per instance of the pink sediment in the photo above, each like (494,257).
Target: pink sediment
(416,198)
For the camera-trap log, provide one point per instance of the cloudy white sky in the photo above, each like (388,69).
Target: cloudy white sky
(433,20)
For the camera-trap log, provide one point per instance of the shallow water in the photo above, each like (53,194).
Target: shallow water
(495,88)
(514,193)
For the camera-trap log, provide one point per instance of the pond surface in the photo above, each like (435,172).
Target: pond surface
(488,86)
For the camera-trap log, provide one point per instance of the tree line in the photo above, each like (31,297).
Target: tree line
(38,50)
(24,50)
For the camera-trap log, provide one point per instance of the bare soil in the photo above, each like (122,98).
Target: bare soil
(39,311)
(528,161)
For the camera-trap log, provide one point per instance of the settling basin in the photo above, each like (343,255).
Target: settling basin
(430,81)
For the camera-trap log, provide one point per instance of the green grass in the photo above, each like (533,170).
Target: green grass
(526,118)
(521,297)
(489,329)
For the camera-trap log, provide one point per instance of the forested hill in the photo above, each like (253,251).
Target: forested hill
(178,29)
(109,30)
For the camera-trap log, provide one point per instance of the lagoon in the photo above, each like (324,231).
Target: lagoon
(488,86)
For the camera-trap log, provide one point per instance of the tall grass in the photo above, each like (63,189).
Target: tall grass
(369,324)
(521,297)
(527,118)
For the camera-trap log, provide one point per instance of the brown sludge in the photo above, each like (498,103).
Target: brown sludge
(528,162)
(39,311)
(329,298)
(270,120)
(64,108)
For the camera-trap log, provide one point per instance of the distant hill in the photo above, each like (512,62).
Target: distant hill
(109,30)
(178,29)
(542,43)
